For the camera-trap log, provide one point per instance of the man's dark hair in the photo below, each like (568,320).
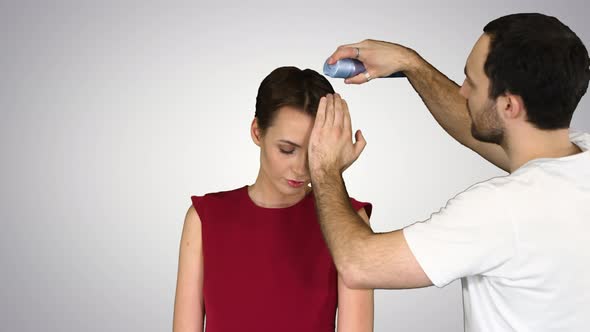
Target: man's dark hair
(542,60)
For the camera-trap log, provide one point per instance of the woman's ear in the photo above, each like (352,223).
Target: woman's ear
(255,132)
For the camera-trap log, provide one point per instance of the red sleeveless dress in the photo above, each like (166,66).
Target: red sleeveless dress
(266,269)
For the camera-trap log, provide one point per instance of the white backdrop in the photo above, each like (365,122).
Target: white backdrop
(114,113)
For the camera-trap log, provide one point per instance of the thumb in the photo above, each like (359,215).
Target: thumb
(360,143)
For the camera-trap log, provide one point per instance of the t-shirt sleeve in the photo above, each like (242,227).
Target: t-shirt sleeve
(357,205)
(473,234)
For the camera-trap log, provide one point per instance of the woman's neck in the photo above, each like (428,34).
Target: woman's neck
(265,194)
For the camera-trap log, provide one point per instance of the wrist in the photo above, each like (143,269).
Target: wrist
(325,175)
(413,62)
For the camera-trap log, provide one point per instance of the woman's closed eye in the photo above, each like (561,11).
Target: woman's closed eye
(287,147)
(287,151)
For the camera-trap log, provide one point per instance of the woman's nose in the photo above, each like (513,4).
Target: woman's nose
(301,167)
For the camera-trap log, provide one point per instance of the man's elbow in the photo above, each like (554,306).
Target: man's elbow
(352,275)
(353,266)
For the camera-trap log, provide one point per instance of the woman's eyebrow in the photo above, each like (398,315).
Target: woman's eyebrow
(289,142)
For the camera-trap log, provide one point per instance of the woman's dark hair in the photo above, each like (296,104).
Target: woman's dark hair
(289,86)
(542,60)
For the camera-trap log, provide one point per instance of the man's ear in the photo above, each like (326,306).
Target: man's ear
(255,132)
(511,106)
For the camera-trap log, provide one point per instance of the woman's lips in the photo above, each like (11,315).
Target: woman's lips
(295,184)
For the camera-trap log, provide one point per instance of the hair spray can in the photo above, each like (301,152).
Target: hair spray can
(345,68)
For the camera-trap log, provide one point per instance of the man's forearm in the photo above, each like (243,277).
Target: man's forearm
(442,98)
(449,108)
(343,229)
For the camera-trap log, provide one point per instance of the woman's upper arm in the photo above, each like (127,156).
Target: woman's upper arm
(355,306)
(189,285)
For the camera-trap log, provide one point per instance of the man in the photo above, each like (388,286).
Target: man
(518,243)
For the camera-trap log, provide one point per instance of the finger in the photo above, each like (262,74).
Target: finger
(346,114)
(360,144)
(343,52)
(338,112)
(360,78)
(320,117)
(329,111)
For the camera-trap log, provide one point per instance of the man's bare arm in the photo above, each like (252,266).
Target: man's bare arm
(441,97)
(439,94)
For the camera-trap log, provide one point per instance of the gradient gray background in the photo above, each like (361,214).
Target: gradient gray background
(113,114)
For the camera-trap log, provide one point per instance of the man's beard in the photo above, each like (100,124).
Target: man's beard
(489,127)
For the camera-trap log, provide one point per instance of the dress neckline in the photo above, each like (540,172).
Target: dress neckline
(307,196)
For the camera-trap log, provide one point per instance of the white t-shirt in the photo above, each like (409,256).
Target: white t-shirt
(520,244)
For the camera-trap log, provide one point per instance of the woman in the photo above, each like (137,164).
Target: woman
(253,258)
